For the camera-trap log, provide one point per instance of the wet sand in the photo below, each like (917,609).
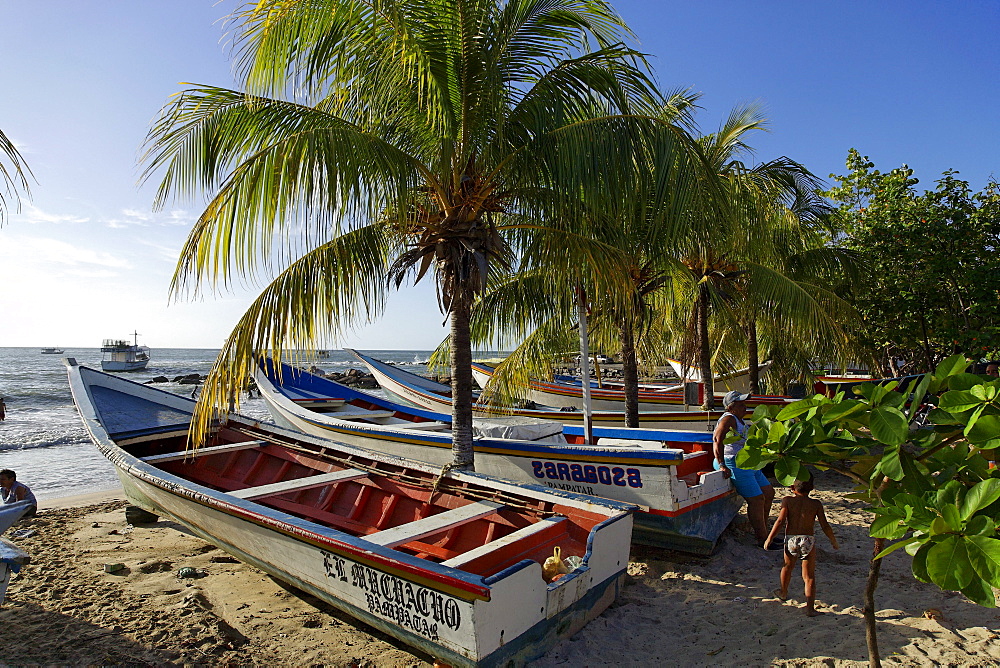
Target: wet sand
(674,610)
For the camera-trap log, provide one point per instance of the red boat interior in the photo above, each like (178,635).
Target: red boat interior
(472,527)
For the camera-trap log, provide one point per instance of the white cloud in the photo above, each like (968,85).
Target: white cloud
(44,251)
(135,218)
(33,215)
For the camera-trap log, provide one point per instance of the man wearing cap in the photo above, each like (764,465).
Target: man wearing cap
(751,484)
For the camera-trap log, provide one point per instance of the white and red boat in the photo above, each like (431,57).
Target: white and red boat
(448,563)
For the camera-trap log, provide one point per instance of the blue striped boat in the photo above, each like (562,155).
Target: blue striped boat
(685,504)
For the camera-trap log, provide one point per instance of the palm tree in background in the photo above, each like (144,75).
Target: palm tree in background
(14,173)
(537,310)
(379,141)
(765,262)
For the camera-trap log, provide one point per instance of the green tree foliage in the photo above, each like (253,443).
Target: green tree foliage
(379,141)
(931,261)
(924,470)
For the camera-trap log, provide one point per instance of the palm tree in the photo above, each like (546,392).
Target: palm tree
(379,141)
(14,175)
(742,270)
(537,309)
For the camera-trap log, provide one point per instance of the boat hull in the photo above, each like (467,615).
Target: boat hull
(508,615)
(113,365)
(346,584)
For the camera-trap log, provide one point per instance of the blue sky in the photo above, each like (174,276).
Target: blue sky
(87,258)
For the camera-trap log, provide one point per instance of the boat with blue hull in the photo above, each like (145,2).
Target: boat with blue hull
(426,393)
(684,503)
(451,564)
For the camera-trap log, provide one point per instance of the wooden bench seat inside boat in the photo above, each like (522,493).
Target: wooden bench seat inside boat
(362,415)
(429,526)
(320,402)
(299,484)
(496,549)
(201,452)
(429,426)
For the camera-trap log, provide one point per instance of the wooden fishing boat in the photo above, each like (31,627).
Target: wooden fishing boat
(738,380)
(448,563)
(425,393)
(685,505)
(570,394)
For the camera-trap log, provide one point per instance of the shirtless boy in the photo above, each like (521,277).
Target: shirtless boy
(799,514)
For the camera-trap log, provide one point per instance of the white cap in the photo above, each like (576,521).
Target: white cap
(732,397)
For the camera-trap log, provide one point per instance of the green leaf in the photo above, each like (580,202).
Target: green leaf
(952,518)
(843,410)
(984,555)
(939,526)
(980,392)
(950,493)
(889,426)
(777,430)
(890,464)
(919,563)
(981,495)
(953,365)
(887,527)
(918,396)
(795,409)
(895,546)
(940,416)
(980,593)
(980,525)
(948,564)
(958,401)
(749,458)
(786,470)
(964,381)
(987,428)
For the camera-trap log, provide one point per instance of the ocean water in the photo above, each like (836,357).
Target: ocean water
(45,443)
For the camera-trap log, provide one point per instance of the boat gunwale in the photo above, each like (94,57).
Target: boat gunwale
(666,456)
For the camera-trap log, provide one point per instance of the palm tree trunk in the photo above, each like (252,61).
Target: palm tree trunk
(630,376)
(463,457)
(754,356)
(705,351)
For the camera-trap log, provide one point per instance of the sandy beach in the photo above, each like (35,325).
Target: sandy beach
(65,609)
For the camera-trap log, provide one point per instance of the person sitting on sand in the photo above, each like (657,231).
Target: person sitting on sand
(12,491)
(751,484)
(799,514)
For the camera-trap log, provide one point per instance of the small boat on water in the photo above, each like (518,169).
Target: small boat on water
(565,393)
(426,393)
(52,351)
(121,355)
(450,563)
(685,504)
